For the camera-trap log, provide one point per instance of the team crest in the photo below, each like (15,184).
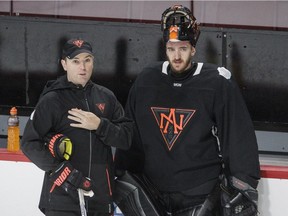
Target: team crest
(101,106)
(78,43)
(171,122)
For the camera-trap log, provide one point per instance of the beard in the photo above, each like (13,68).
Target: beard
(181,65)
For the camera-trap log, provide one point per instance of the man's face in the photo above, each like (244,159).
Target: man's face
(179,55)
(79,69)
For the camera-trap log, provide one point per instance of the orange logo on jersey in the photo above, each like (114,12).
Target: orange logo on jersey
(171,122)
(101,106)
(78,43)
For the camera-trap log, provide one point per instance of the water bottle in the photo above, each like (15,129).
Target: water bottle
(13,140)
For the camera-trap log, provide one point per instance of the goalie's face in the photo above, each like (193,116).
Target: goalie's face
(179,55)
(79,69)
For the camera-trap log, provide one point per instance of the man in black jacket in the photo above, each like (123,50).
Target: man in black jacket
(189,118)
(70,134)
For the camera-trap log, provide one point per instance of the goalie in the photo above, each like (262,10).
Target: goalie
(177,105)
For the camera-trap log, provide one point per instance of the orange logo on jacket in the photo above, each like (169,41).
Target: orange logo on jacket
(101,106)
(171,122)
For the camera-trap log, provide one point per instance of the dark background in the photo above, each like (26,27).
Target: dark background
(30,49)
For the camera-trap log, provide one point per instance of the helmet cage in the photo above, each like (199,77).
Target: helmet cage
(178,23)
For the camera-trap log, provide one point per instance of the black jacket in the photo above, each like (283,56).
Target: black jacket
(174,117)
(92,152)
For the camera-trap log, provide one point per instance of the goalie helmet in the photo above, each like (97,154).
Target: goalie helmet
(178,24)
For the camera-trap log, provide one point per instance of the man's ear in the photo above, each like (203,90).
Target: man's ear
(193,51)
(63,62)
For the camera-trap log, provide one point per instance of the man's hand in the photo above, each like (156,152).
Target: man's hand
(83,119)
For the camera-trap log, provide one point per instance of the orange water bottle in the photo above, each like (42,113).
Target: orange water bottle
(13,140)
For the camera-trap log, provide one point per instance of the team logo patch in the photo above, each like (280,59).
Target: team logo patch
(78,43)
(171,122)
(101,106)
(173,33)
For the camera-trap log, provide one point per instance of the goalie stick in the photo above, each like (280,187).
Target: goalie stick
(82,202)
(81,194)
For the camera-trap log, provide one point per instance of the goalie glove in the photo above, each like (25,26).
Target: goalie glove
(70,179)
(238,198)
(60,146)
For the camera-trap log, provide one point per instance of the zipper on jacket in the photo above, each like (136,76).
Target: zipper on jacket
(90,141)
(90,135)
(90,158)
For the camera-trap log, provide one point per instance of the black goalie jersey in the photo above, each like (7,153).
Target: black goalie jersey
(174,117)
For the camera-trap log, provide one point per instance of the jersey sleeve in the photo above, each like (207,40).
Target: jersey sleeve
(236,132)
(132,159)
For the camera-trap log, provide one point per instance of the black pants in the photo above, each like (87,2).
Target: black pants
(178,203)
(73,213)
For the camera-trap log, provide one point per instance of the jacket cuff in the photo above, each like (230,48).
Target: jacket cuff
(101,130)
